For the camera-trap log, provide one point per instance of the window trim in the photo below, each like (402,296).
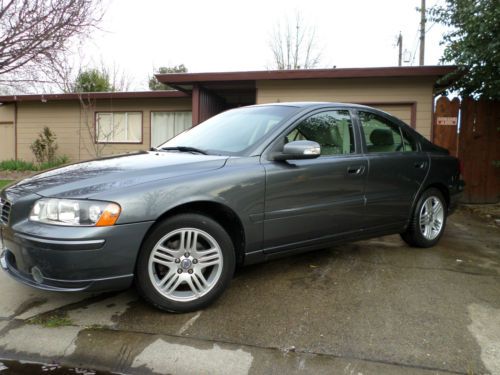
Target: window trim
(164,110)
(96,134)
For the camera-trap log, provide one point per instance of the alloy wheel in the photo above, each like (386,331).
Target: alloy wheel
(431,217)
(185,264)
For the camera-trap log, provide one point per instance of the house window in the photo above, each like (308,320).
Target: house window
(119,127)
(166,125)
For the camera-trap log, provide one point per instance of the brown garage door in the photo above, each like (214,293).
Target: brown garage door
(401,111)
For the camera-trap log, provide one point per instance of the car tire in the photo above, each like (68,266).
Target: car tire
(185,263)
(428,220)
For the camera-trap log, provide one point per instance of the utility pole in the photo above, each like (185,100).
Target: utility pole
(422,33)
(400,53)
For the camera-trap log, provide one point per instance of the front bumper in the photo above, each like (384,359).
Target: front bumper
(70,258)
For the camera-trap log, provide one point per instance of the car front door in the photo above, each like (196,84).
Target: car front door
(314,200)
(396,171)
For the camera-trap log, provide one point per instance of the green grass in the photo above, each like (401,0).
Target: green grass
(17,165)
(51,321)
(4,183)
(24,166)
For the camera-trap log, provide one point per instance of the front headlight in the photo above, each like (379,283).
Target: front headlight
(75,212)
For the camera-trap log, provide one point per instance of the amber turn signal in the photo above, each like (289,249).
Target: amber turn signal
(109,216)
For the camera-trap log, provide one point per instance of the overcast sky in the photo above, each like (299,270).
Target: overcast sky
(225,35)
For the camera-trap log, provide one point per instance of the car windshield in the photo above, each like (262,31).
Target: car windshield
(234,132)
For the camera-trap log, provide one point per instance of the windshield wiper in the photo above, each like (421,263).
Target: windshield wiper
(184,149)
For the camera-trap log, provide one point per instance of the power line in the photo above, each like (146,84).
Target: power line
(415,42)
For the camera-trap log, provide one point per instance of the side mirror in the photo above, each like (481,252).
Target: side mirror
(299,150)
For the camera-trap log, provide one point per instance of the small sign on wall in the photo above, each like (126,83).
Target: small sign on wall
(447,121)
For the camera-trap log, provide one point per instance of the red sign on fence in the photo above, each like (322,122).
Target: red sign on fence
(453,121)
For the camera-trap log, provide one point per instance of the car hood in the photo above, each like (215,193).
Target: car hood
(82,180)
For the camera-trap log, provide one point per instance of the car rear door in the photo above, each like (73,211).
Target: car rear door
(314,200)
(396,170)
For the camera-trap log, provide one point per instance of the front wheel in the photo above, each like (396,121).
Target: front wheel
(428,220)
(185,263)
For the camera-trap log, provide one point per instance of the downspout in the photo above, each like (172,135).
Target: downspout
(15,130)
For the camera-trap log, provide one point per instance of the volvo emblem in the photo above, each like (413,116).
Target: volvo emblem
(186,264)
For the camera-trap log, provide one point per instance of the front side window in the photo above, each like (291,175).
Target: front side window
(383,136)
(119,127)
(331,129)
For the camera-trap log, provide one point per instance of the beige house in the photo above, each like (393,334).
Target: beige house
(95,124)
(91,125)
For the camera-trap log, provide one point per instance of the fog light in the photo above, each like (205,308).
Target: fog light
(37,275)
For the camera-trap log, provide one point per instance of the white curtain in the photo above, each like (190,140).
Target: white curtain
(166,125)
(134,131)
(104,127)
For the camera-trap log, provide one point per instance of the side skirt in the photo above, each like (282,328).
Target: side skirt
(267,254)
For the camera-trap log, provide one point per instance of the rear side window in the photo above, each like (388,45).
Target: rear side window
(331,129)
(381,135)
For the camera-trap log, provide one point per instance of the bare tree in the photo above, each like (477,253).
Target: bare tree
(91,132)
(119,79)
(294,46)
(37,33)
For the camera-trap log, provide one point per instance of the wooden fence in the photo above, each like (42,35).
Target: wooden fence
(471,130)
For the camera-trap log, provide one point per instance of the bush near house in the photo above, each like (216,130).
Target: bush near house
(26,166)
(44,147)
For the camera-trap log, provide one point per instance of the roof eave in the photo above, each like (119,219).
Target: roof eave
(177,79)
(5,99)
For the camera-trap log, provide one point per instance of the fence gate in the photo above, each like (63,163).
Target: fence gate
(445,125)
(477,143)
(479,150)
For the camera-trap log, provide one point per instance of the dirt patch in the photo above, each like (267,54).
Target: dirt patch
(487,212)
(15,175)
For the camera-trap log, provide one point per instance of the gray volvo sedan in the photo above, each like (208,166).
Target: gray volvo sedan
(245,186)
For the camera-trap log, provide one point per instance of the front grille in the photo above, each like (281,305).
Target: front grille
(5,207)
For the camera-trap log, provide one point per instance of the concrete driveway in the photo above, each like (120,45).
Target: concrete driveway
(371,307)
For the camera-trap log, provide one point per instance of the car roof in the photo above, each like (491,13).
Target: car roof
(313,105)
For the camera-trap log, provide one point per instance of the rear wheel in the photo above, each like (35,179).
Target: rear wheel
(428,220)
(185,263)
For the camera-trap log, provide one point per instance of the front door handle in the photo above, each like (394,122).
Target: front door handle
(420,164)
(356,170)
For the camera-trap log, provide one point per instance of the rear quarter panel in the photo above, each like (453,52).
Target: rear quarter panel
(444,172)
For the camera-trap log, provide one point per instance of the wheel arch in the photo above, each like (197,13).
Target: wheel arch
(442,188)
(437,185)
(217,211)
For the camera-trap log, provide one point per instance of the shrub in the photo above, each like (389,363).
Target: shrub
(59,160)
(44,148)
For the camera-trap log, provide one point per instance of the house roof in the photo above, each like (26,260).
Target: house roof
(241,83)
(184,81)
(92,95)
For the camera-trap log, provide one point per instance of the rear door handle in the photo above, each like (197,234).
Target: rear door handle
(355,170)
(420,164)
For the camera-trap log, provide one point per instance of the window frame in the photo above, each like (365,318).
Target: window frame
(96,128)
(392,123)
